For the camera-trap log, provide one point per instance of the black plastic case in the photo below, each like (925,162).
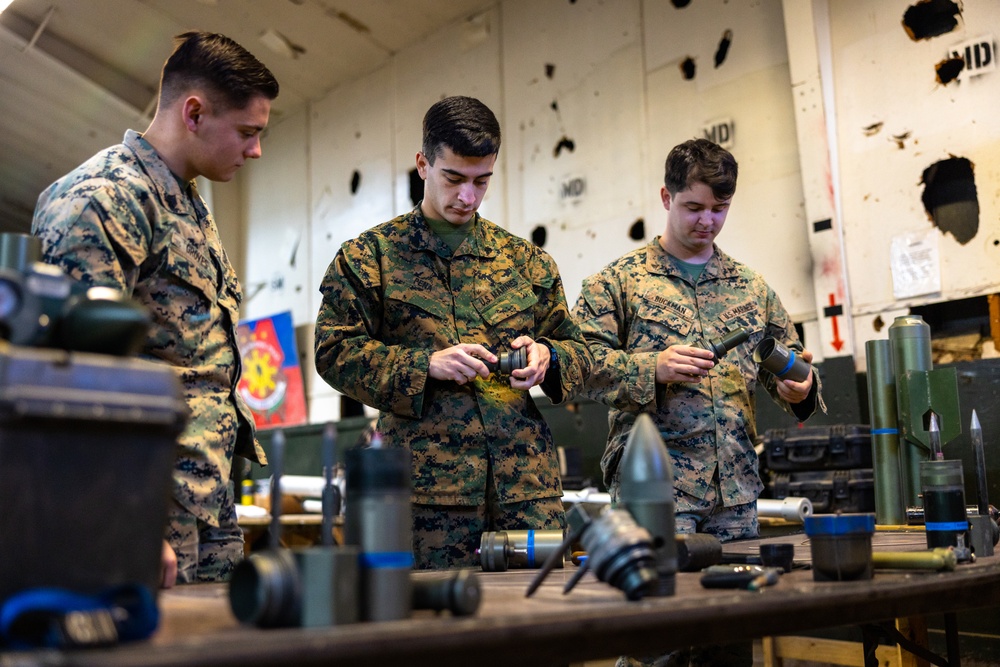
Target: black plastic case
(829,490)
(836,447)
(87,448)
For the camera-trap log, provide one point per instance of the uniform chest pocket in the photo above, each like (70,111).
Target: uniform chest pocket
(413,313)
(510,305)
(191,275)
(657,321)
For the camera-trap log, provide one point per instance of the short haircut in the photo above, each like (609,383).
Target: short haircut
(230,75)
(463,124)
(701,161)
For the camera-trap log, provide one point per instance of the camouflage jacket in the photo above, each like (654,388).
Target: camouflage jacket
(643,303)
(123,220)
(395,295)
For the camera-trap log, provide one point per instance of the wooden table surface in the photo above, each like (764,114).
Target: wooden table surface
(594,621)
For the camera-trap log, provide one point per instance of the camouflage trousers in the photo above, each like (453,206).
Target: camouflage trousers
(710,515)
(448,536)
(205,553)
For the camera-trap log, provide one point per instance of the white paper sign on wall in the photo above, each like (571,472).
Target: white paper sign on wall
(916,264)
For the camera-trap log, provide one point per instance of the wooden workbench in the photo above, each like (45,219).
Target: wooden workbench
(594,621)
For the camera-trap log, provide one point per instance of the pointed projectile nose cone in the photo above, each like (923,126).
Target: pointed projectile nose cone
(646,471)
(647,492)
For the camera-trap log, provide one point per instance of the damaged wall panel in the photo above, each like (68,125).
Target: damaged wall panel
(350,132)
(574,125)
(766,227)
(460,59)
(886,88)
(741,37)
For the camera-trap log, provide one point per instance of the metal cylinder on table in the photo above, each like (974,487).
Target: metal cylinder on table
(910,338)
(890,506)
(945,517)
(378,519)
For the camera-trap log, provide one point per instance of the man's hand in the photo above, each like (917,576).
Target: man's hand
(461,363)
(683,363)
(168,566)
(538,364)
(796,392)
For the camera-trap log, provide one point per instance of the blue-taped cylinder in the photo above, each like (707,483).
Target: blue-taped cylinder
(890,508)
(945,516)
(378,519)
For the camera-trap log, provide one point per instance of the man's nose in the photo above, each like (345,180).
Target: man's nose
(467,193)
(253,150)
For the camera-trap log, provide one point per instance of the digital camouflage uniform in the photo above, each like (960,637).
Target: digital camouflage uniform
(395,295)
(643,303)
(123,220)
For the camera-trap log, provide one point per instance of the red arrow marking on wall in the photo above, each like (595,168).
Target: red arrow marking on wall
(837,342)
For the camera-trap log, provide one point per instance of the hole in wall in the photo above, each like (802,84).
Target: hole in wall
(872,129)
(687,68)
(723,50)
(550,70)
(416,186)
(637,232)
(680,4)
(564,143)
(948,70)
(878,323)
(950,199)
(930,18)
(539,235)
(355,181)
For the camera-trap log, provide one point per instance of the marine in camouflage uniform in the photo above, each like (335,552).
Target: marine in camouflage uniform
(125,220)
(643,303)
(397,293)
(648,318)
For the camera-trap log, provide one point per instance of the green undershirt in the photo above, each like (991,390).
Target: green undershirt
(452,235)
(692,271)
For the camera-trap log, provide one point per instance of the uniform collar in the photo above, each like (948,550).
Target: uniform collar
(166,185)
(481,240)
(659,261)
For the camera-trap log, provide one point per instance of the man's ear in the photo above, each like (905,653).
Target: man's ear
(665,197)
(423,164)
(192,112)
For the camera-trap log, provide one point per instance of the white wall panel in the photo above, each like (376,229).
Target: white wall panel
(277,239)
(573,72)
(350,131)
(460,59)
(671,35)
(766,227)
(895,120)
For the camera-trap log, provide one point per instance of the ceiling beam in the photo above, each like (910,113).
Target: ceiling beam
(130,91)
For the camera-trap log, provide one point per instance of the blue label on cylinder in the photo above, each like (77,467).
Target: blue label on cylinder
(954,526)
(531,548)
(387,559)
(791,362)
